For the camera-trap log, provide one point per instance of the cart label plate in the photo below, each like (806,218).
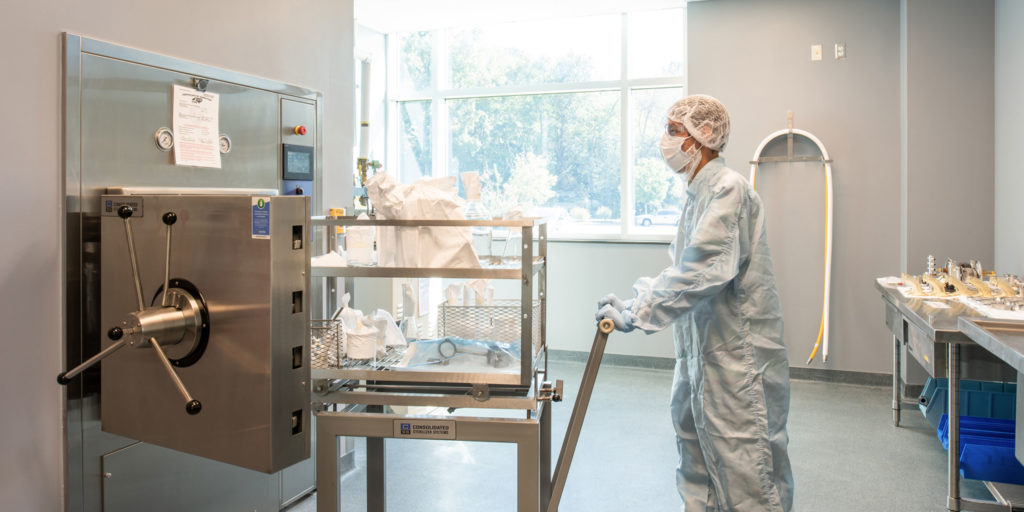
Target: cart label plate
(425,429)
(111,204)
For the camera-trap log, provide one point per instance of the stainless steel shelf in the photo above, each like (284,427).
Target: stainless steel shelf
(370,372)
(408,272)
(418,223)
(463,401)
(1007,494)
(405,375)
(530,272)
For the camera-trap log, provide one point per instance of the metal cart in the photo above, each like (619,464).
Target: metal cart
(367,387)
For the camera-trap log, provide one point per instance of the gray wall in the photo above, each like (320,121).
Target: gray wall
(305,42)
(580,273)
(755,57)
(1009,179)
(949,129)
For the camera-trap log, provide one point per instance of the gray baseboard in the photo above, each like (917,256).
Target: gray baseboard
(668,363)
(841,376)
(347,462)
(574,356)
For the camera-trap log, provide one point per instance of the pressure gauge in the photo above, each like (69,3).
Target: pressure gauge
(225,144)
(164,139)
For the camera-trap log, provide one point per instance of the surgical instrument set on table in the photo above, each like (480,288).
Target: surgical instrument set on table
(956,329)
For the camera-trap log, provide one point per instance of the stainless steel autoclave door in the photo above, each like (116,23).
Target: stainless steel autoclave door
(234,329)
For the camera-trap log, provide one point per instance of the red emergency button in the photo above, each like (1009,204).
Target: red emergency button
(300,130)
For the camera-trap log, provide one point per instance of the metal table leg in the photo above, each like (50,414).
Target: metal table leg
(545,451)
(953,418)
(895,381)
(328,497)
(528,471)
(376,479)
(376,470)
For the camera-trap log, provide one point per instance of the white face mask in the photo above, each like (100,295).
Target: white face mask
(678,160)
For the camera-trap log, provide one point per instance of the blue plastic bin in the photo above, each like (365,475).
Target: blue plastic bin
(992,463)
(978,398)
(986,449)
(978,427)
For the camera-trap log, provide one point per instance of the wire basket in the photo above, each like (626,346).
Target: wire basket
(500,322)
(327,344)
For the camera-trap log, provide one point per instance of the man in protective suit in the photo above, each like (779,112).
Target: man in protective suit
(730,393)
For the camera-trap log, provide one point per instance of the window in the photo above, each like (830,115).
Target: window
(562,116)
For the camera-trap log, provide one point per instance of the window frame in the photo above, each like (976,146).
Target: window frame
(441,91)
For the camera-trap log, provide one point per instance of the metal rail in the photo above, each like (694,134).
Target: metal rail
(579,411)
(353,221)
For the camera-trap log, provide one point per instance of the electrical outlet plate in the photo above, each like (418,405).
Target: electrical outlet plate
(816,52)
(840,51)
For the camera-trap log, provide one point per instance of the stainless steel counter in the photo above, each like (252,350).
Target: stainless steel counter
(936,317)
(923,327)
(1003,338)
(949,339)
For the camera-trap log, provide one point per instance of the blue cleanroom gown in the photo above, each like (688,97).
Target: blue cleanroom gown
(730,394)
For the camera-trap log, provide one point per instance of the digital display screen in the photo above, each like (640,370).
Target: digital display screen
(298,162)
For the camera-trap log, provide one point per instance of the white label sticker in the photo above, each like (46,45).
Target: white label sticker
(196,127)
(261,217)
(425,429)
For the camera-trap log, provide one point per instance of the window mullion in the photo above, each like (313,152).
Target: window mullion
(392,120)
(438,107)
(626,130)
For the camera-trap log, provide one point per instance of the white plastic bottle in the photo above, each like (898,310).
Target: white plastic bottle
(359,241)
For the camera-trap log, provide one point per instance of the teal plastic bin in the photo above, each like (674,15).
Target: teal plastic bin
(978,398)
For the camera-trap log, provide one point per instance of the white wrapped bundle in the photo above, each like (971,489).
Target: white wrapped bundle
(361,343)
(431,198)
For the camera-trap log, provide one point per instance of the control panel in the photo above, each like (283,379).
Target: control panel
(298,143)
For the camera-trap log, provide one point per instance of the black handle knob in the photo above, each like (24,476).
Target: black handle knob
(115,333)
(298,191)
(125,211)
(193,407)
(170,218)
(62,380)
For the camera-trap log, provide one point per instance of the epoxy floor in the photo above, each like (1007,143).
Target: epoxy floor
(845,452)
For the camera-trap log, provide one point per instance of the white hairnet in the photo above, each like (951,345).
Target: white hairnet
(704,117)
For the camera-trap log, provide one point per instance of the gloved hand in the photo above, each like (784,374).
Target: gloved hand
(611,300)
(623,320)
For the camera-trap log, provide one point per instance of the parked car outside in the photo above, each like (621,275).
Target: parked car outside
(554,214)
(666,217)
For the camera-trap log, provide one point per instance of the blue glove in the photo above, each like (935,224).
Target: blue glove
(623,320)
(611,300)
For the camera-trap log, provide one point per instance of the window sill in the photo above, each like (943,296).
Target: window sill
(613,239)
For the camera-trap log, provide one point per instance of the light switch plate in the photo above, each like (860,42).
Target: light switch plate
(816,52)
